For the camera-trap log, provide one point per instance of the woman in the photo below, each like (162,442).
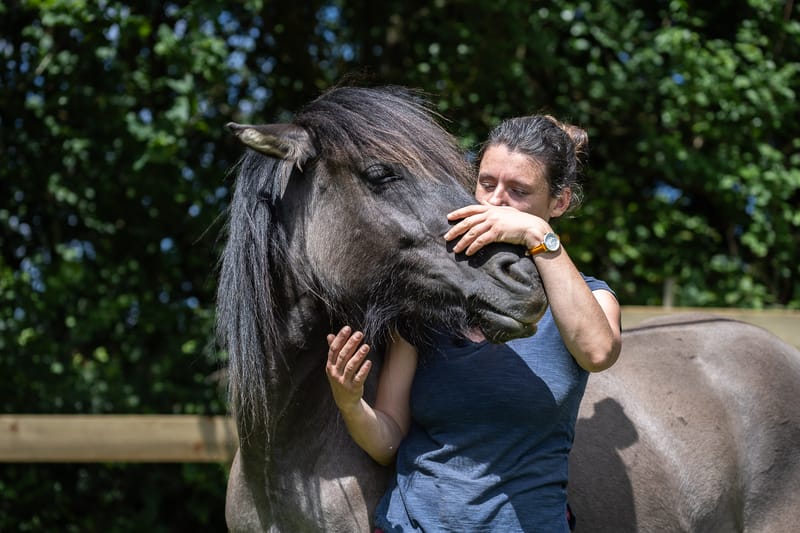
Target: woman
(481,432)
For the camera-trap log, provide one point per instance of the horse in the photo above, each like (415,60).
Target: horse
(695,429)
(338,218)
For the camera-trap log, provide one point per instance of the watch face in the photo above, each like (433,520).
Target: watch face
(551,242)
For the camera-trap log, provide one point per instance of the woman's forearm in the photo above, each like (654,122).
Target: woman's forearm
(588,322)
(374,431)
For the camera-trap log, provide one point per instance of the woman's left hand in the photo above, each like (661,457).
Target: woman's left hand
(483,224)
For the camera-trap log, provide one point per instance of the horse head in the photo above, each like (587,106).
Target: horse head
(338,218)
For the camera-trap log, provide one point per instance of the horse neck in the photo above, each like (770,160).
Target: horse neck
(298,360)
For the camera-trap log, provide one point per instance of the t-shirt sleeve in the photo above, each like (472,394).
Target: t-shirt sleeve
(597,284)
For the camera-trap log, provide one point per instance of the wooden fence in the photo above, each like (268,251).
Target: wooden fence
(117,438)
(781,322)
(187,438)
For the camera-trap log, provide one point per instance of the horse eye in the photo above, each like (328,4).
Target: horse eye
(379,174)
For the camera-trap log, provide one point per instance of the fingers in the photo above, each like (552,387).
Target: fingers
(463,226)
(337,342)
(488,224)
(475,237)
(467,229)
(470,216)
(351,366)
(466,211)
(475,231)
(361,376)
(346,355)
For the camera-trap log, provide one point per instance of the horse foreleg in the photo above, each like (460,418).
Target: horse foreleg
(246,505)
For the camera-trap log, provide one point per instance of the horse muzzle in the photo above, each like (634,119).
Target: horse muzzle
(506,296)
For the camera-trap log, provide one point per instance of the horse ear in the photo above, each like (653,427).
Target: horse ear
(284,141)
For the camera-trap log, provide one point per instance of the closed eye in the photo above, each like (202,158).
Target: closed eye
(378,174)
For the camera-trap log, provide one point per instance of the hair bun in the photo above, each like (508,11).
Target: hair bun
(577,135)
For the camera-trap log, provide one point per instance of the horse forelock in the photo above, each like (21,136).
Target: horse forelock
(351,124)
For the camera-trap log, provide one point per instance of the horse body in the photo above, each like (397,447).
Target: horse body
(694,429)
(338,218)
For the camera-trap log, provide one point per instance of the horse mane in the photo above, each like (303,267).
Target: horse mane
(347,124)
(248,325)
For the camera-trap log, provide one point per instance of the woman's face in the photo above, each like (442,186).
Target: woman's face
(513,179)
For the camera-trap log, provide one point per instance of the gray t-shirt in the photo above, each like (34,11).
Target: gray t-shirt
(492,427)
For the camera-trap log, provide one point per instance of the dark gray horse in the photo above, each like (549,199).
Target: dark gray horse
(339,218)
(695,429)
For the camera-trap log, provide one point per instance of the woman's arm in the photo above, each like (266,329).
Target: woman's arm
(589,322)
(379,430)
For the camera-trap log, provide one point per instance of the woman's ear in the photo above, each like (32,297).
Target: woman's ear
(560,204)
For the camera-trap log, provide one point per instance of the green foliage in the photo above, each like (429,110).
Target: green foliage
(118,498)
(115,159)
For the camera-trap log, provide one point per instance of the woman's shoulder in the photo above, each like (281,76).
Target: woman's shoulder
(596,284)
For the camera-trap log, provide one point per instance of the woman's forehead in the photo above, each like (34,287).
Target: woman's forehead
(501,164)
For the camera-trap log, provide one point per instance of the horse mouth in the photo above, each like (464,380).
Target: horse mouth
(498,326)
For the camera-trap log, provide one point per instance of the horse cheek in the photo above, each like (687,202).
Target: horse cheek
(337,244)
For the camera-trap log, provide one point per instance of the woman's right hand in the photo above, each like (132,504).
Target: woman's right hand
(479,225)
(347,367)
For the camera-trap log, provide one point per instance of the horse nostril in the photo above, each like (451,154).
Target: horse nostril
(481,256)
(520,269)
(405,242)
(506,263)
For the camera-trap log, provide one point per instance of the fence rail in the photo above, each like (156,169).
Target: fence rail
(117,438)
(213,439)
(781,322)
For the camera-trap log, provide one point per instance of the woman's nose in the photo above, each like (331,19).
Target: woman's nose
(498,197)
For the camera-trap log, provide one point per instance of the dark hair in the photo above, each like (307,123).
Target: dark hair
(560,147)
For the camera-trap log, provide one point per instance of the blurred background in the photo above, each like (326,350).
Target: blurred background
(117,168)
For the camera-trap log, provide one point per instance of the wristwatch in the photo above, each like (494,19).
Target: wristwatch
(551,243)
